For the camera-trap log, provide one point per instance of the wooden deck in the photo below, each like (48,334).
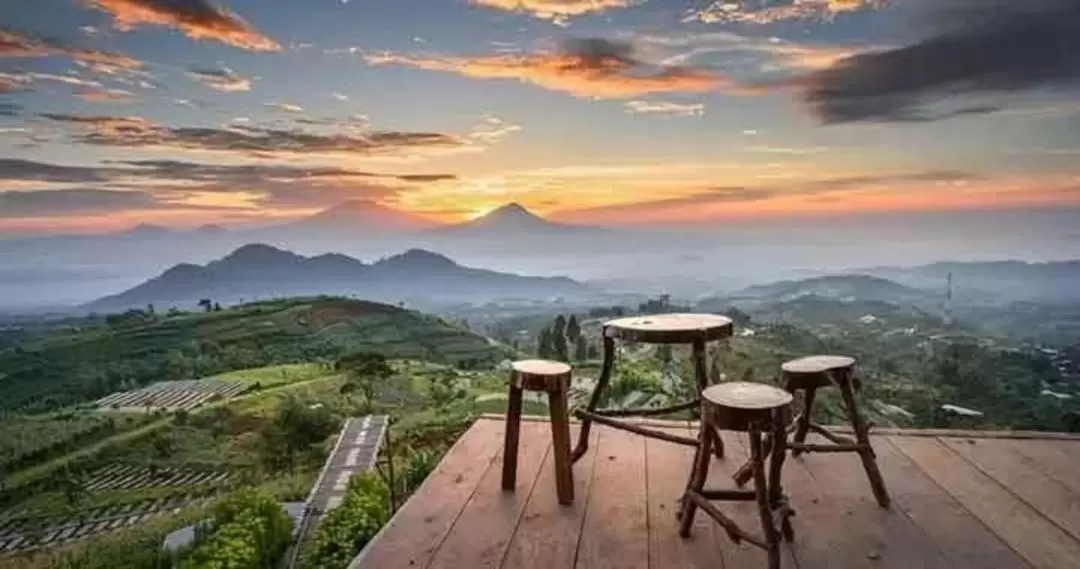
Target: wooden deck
(961,500)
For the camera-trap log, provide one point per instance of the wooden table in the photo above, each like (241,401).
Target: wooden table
(695,330)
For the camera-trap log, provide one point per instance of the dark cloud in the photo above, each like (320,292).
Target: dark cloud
(974,47)
(19,45)
(251,141)
(23,204)
(223,79)
(29,170)
(197,19)
(174,169)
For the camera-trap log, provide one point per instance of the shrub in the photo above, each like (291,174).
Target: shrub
(350,526)
(251,531)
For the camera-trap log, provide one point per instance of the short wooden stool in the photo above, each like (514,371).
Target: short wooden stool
(812,373)
(759,410)
(554,379)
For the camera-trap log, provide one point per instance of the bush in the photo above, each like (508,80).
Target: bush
(350,526)
(251,531)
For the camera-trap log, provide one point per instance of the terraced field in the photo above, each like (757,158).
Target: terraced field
(174,395)
(125,477)
(22,532)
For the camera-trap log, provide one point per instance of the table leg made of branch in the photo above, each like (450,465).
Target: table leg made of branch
(694,330)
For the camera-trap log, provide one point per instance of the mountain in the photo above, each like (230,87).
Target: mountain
(365,217)
(82,359)
(839,287)
(509,221)
(261,271)
(999,281)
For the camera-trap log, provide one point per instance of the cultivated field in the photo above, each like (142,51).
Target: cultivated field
(174,395)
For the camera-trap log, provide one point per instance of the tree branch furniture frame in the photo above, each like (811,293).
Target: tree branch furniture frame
(552,378)
(759,410)
(809,374)
(695,330)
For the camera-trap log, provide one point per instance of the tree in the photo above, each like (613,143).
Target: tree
(545,349)
(296,429)
(364,371)
(581,349)
(560,349)
(444,388)
(573,329)
(559,328)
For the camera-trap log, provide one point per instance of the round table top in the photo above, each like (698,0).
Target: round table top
(670,328)
(817,364)
(540,367)
(745,395)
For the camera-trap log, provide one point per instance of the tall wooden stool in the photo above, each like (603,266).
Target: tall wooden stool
(554,379)
(812,373)
(759,410)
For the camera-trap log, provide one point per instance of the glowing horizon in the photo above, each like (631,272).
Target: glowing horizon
(116,113)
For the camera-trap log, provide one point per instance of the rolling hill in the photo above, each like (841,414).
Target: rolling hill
(262,271)
(93,357)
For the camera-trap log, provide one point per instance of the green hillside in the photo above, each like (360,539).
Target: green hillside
(90,358)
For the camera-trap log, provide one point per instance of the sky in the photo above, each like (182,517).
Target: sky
(618,112)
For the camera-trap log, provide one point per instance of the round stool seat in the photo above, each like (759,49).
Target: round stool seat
(540,375)
(745,395)
(670,328)
(817,371)
(738,405)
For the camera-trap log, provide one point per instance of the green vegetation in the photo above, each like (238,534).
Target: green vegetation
(250,531)
(350,526)
(75,364)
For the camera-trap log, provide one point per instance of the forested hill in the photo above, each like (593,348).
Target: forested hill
(95,356)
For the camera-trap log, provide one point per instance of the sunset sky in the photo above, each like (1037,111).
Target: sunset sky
(187,112)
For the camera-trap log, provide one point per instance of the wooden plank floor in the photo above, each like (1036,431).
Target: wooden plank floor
(963,501)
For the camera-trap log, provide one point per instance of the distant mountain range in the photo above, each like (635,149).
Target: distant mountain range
(996,281)
(261,271)
(838,287)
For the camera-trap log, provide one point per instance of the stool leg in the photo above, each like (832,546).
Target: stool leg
(594,399)
(776,484)
(768,527)
(701,375)
(697,479)
(802,424)
(510,441)
(560,445)
(866,452)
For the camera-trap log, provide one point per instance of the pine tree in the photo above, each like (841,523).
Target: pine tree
(544,348)
(559,329)
(573,329)
(559,347)
(581,349)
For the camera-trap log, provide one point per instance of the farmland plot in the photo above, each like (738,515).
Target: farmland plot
(21,532)
(173,395)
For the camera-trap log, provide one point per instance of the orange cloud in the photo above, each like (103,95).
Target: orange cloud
(17,45)
(584,68)
(556,10)
(197,19)
(106,96)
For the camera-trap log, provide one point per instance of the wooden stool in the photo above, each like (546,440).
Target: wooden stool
(757,409)
(812,373)
(554,379)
